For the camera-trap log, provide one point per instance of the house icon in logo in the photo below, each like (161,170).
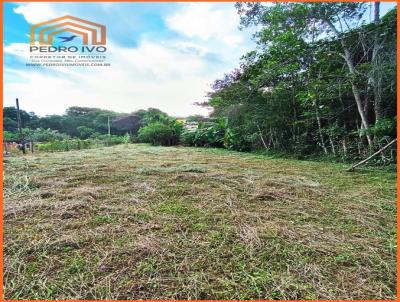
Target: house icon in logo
(91,33)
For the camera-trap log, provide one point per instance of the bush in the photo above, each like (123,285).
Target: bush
(37,135)
(67,145)
(111,140)
(160,134)
(188,138)
(9,135)
(237,139)
(46,135)
(383,128)
(85,132)
(208,134)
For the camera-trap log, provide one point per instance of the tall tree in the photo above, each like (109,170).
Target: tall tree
(308,20)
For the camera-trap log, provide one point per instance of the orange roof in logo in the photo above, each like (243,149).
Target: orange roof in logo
(69,27)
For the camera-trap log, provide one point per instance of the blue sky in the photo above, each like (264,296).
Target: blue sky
(163,55)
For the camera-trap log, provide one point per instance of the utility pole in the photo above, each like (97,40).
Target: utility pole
(21,135)
(108,124)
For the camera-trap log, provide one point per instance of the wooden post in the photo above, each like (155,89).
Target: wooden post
(21,136)
(5,147)
(31,145)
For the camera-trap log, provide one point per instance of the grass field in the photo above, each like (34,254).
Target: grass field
(141,222)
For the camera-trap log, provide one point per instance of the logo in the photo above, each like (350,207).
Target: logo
(67,41)
(91,33)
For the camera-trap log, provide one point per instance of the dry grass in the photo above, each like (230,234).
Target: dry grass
(140,222)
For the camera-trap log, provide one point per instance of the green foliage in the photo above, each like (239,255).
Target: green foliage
(37,135)
(188,138)
(8,135)
(383,128)
(126,139)
(293,94)
(83,122)
(158,133)
(79,122)
(9,124)
(111,140)
(68,145)
(85,132)
(43,135)
(28,119)
(152,115)
(207,134)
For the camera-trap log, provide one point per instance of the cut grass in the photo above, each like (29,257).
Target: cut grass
(141,222)
(166,169)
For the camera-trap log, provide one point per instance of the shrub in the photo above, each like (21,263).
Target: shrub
(37,135)
(208,134)
(85,132)
(160,134)
(188,138)
(235,139)
(9,135)
(111,140)
(383,128)
(70,144)
(126,139)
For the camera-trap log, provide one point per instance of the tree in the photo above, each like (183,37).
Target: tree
(85,132)
(296,93)
(130,123)
(308,20)
(10,118)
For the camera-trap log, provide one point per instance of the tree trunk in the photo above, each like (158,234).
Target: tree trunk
(350,64)
(376,11)
(375,75)
(294,115)
(359,142)
(344,145)
(262,138)
(332,144)
(320,128)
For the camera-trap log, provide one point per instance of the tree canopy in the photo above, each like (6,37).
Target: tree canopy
(319,81)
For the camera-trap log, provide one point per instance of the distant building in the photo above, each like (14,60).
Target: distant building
(191,126)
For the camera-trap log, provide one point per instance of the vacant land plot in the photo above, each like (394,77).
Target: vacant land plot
(141,222)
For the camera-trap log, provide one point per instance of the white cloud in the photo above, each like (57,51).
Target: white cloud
(21,53)
(36,12)
(158,60)
(20,50)
(170,75)
(151,75)
(207,21)
(190,47)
